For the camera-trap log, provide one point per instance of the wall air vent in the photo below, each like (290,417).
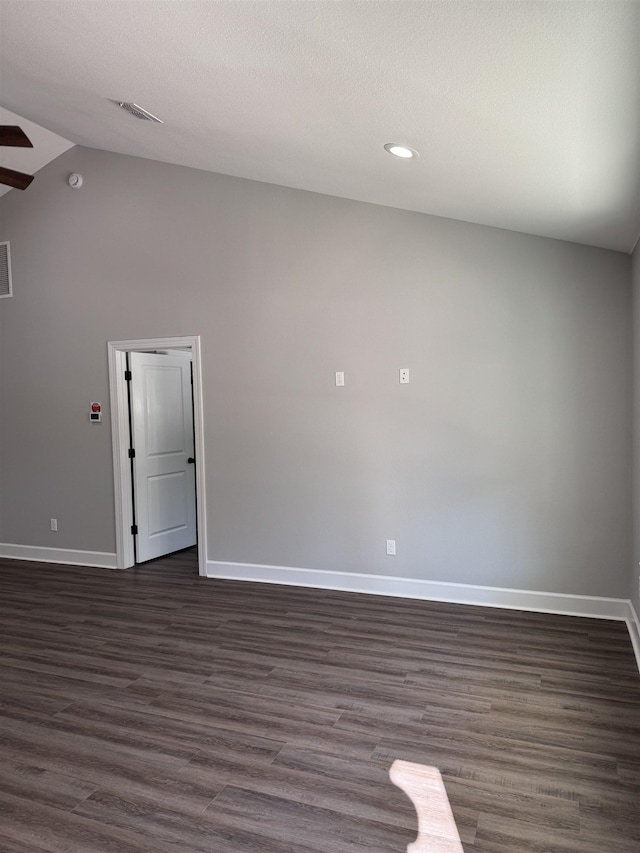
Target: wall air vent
(5,271)
(138,112)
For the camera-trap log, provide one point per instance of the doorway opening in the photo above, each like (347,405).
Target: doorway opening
(128,530)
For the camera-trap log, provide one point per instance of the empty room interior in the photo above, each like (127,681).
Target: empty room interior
(319,426)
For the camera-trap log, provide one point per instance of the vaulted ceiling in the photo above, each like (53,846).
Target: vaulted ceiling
(526,115)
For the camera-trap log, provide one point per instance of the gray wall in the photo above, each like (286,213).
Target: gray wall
(635,563)
(505,461)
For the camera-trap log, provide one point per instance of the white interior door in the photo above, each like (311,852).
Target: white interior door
(163,465)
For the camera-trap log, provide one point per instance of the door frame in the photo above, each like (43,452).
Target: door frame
(122,483)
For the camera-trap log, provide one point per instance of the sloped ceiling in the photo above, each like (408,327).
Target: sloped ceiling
(526,114)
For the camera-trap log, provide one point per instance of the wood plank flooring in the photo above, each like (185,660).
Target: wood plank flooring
(152,711)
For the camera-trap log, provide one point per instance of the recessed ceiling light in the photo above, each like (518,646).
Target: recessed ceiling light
(400,150)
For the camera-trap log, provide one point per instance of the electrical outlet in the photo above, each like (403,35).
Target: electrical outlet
(339,377)
(54,525)
(391,547)
(404,375)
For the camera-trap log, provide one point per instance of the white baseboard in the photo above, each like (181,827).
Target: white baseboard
(455,593)
(66,556)
(633,624)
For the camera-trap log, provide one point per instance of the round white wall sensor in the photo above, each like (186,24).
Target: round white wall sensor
(75,181)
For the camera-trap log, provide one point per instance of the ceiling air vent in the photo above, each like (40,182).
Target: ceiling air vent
(138,112)
(5,271)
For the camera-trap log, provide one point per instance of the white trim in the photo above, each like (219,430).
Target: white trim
(120,441)
(121,470)
(66,556)
(456,593)
(633,624)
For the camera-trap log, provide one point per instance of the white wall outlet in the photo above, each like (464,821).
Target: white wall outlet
(391,547)
(404,375)
(54,525)
(339,377)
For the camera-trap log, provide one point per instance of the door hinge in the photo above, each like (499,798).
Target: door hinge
(127,375)
(134,529)
(132,453)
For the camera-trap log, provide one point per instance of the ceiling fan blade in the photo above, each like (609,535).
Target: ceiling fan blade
(18,180)
(11,134)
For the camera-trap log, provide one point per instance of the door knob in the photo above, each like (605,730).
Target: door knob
(191,460)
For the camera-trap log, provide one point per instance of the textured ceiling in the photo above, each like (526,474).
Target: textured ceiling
(46,147)
(526,114)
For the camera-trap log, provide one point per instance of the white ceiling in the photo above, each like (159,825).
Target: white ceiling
(46,147)
(526,114)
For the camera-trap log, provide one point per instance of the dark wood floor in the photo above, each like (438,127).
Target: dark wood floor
(151,710)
